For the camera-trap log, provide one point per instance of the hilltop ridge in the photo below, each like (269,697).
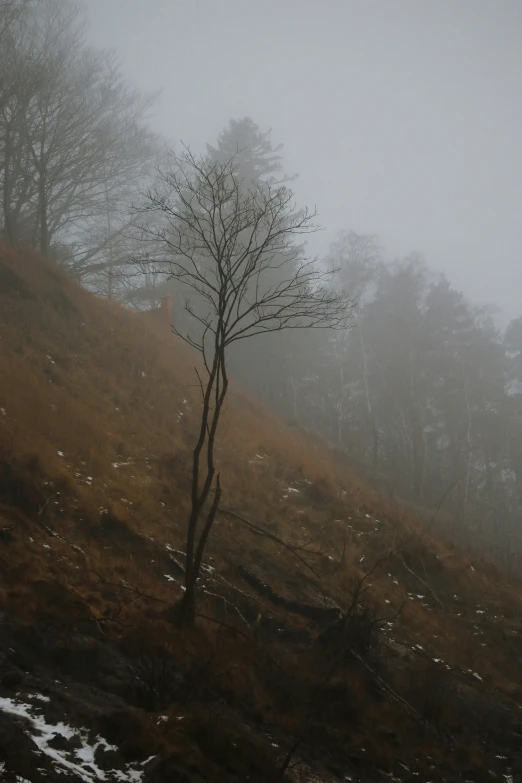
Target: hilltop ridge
(336,634)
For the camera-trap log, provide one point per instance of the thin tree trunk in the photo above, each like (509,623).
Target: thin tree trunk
(375,436)
(110,292)
(44,225)
(468,440)
(217,386)
(418,443)
(6,194)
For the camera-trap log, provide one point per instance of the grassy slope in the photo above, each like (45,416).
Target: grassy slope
(97,414)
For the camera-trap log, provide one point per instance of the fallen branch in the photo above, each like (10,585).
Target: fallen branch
(261,531)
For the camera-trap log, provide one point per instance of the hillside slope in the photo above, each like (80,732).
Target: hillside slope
(333,629)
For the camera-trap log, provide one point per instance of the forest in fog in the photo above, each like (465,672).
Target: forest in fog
(422,391)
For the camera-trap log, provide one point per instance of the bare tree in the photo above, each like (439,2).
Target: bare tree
(74,147)
(15,91)
(232,246)
(10,12)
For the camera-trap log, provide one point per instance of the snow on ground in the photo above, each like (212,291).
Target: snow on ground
(80,761)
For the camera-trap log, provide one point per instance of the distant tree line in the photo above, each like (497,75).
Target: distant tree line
(425,391)
(424,394)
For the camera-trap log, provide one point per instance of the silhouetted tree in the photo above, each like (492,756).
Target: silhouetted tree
(223,238)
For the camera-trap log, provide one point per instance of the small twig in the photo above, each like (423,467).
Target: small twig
(426,585)
(122,586)
(225,625)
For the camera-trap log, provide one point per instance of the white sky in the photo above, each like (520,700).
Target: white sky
(403,118)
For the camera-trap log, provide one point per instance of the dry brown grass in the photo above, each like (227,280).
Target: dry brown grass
(100,414)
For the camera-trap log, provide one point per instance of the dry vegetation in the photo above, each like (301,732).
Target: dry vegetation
(97,414)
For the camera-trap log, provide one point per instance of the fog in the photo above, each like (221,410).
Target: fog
(403,123)
(402,119)
(325,440)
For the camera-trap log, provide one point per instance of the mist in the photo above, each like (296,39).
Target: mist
(261,390)
(402,120)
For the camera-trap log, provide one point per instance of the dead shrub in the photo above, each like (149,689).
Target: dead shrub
(156,677)
(357,632)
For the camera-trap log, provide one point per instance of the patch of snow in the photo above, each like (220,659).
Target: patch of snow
(477,676)
(38,696)
(60,453)
(85,767)
(169,578)
(292,489)
(3,411)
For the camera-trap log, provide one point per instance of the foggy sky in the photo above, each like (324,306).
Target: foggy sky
(403,118)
